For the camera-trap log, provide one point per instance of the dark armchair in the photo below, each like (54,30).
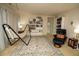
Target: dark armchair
(59,39)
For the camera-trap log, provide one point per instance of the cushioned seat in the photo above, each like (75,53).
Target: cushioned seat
(58,41)
(60,37)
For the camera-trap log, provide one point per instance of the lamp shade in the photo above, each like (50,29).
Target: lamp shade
(76,30)
(20,26)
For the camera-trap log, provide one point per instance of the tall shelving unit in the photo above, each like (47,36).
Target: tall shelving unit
(36,25)
(59,24)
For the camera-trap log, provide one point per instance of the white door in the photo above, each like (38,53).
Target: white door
(50,25)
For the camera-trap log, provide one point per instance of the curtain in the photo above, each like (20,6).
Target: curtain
(7,16)
(2,44)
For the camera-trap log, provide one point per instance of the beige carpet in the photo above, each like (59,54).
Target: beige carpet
(39,46)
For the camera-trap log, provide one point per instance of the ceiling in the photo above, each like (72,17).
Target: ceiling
(46,8)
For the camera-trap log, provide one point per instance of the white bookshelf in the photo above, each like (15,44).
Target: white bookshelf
(36,26)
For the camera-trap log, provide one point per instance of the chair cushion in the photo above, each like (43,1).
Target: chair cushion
(60,36)
(58,41)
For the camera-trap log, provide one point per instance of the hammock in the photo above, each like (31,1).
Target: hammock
(12,36)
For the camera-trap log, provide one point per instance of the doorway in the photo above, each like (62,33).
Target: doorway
(50,25)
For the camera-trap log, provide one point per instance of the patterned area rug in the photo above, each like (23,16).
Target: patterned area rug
(38,46)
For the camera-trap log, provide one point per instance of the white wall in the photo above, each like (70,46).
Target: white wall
(24,18)
(72,15)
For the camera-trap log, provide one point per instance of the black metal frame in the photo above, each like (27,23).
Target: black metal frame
(16,34)
(23,30)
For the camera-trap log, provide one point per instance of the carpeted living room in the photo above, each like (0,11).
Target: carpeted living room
(39,29)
